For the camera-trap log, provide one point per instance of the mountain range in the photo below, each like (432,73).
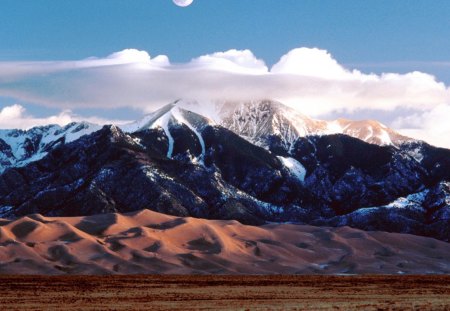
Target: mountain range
(256,162)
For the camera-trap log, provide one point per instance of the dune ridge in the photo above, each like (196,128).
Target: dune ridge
(148,242)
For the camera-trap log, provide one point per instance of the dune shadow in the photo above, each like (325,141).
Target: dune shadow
(4,222)
(303,245)
(96,225)
(154,263)
(205,246)
(153,248)
(200,264)
(60,253)
(270,242)
(323,235)
(168,224)
(70,237)
(354,235)
(24,228)
(115,245)
(135,231)
(384,252)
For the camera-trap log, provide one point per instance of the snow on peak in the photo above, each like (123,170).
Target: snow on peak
(20,147)
(169,116)
(370,131)
(256,120)
(173,112)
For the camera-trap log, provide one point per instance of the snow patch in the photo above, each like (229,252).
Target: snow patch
(294,166)
(163,122)
(178,115)
(369,134)
(415,199)
(384,138)
(5,211)
(333,127)
(416,154)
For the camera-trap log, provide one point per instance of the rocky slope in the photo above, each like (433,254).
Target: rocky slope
(20,147)
(180,163)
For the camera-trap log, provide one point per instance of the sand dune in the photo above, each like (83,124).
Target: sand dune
(149,242)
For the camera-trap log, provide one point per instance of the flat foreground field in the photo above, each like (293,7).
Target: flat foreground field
(225,292)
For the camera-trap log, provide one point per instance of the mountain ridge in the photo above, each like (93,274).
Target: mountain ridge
(178,162)
(260,122)
(323,181)
(20,147)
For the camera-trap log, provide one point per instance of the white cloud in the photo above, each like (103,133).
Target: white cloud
(233,60)
(312,63)
(16,117)
(432,126)
(131,56)
(310,80)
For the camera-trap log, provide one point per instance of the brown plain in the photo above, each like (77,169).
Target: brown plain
(225,292)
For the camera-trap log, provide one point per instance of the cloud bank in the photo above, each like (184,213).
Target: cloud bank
(308,79)
(16,116)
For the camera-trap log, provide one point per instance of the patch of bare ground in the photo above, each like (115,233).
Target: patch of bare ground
(190,292)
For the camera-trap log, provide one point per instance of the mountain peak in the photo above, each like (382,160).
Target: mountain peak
(168,118)
(370,131)
(20,147)
(263,122)
(257,121)
(171,113)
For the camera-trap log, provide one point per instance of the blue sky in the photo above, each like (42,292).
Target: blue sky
(381,36)
(355,32)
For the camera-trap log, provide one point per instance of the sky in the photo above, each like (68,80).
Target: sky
(110,60)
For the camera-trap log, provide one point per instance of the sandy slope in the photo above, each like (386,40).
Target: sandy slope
(149,242)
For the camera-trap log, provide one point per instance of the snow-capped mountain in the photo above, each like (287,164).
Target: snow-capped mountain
(261,121)
(20,147)
(179,162)
(169,117)
(264,123)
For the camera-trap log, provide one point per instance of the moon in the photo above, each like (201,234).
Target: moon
(183,3)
